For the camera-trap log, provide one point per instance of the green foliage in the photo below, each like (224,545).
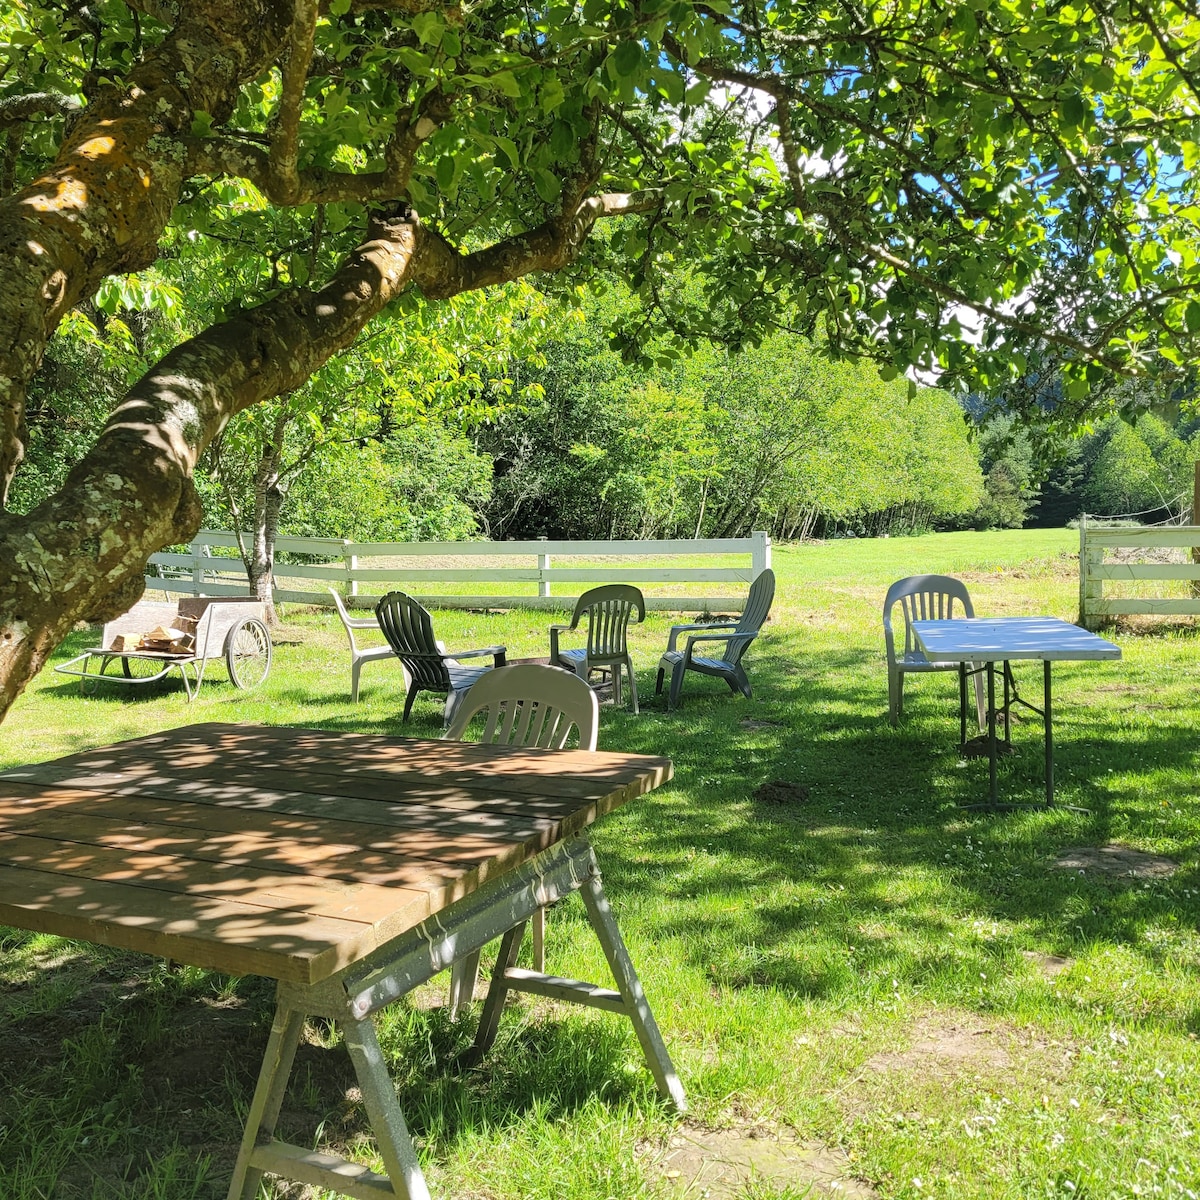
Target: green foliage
(716,444)
(1007,460)
(1140,469)
(425,483)
(1030,173)
(86,369)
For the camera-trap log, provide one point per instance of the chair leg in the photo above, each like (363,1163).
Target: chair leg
(632,683)
(676,684)
(355,668)
(740,682)
(408,700)
(659,681)
(899,694)
(893,716)
(615,676)
(452,700)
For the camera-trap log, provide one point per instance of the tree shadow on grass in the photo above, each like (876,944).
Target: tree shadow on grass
(879,868)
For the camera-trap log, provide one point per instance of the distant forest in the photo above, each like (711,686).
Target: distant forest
(517,419)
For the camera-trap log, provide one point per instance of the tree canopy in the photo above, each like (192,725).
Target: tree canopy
(960,187)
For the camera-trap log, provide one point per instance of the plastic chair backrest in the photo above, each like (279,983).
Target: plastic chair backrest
(758,606)
(609,610)
(347,620)
(923,598)
(530,705)
(408,628)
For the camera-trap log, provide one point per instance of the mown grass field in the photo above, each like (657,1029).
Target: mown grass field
(871,970)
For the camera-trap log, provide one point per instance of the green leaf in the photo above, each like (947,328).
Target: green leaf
(429,28)
(627,58)
(1073,110)
(510,150)
(414,60)
(562,139)
(339,8)
(506,83)
(547,185)
(552,94)
(1191,317)
(447,170)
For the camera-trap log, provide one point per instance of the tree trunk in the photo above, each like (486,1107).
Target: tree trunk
(82,552)
(103,205)
(269,492)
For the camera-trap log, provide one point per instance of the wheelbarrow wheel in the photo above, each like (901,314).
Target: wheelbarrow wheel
(133,667)
(248,654)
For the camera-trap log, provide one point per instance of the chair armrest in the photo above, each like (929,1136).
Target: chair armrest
(362,622)
(717,637)
(497,653)
(676,630)
(555,630)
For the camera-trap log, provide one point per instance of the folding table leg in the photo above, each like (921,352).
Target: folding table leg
(489,1020)
(387,1121)
(630,987)
(268,1098)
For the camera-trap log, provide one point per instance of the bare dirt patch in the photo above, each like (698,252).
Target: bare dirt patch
(781,791)
(725,1163)
(946,1046)
(751,723)
(1116,859)
(1050,965)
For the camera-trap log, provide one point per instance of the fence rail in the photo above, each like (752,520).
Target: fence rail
(1094,541)
(200,572)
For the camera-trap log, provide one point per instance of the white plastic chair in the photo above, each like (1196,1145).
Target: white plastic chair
(609,610)
(922,598)
(527,705)
(359,656)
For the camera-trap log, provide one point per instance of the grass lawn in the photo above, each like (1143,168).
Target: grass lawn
(884,988)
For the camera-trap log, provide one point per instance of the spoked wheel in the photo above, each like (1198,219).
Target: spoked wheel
(141,668)
(248,654)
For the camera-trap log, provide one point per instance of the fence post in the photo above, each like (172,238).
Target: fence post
(197,569)
(351,562)
(1196,521)
(543,565)
(760,556)
(1091,586)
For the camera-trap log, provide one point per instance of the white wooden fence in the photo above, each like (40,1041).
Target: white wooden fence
(201,573)
(1095,608)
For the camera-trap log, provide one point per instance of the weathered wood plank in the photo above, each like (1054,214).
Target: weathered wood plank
(1146,571)
(182,840)
(205,834)
(1175,535)
(346,850)
(222,934)
(1148,606)
(322,1170)
(346,805)
(388,910)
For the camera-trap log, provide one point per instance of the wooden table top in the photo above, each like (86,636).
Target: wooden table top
(288,853)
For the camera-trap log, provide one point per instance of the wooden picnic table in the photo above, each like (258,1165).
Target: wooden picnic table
(349,867)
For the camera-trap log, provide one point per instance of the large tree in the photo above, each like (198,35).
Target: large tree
(893,168)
